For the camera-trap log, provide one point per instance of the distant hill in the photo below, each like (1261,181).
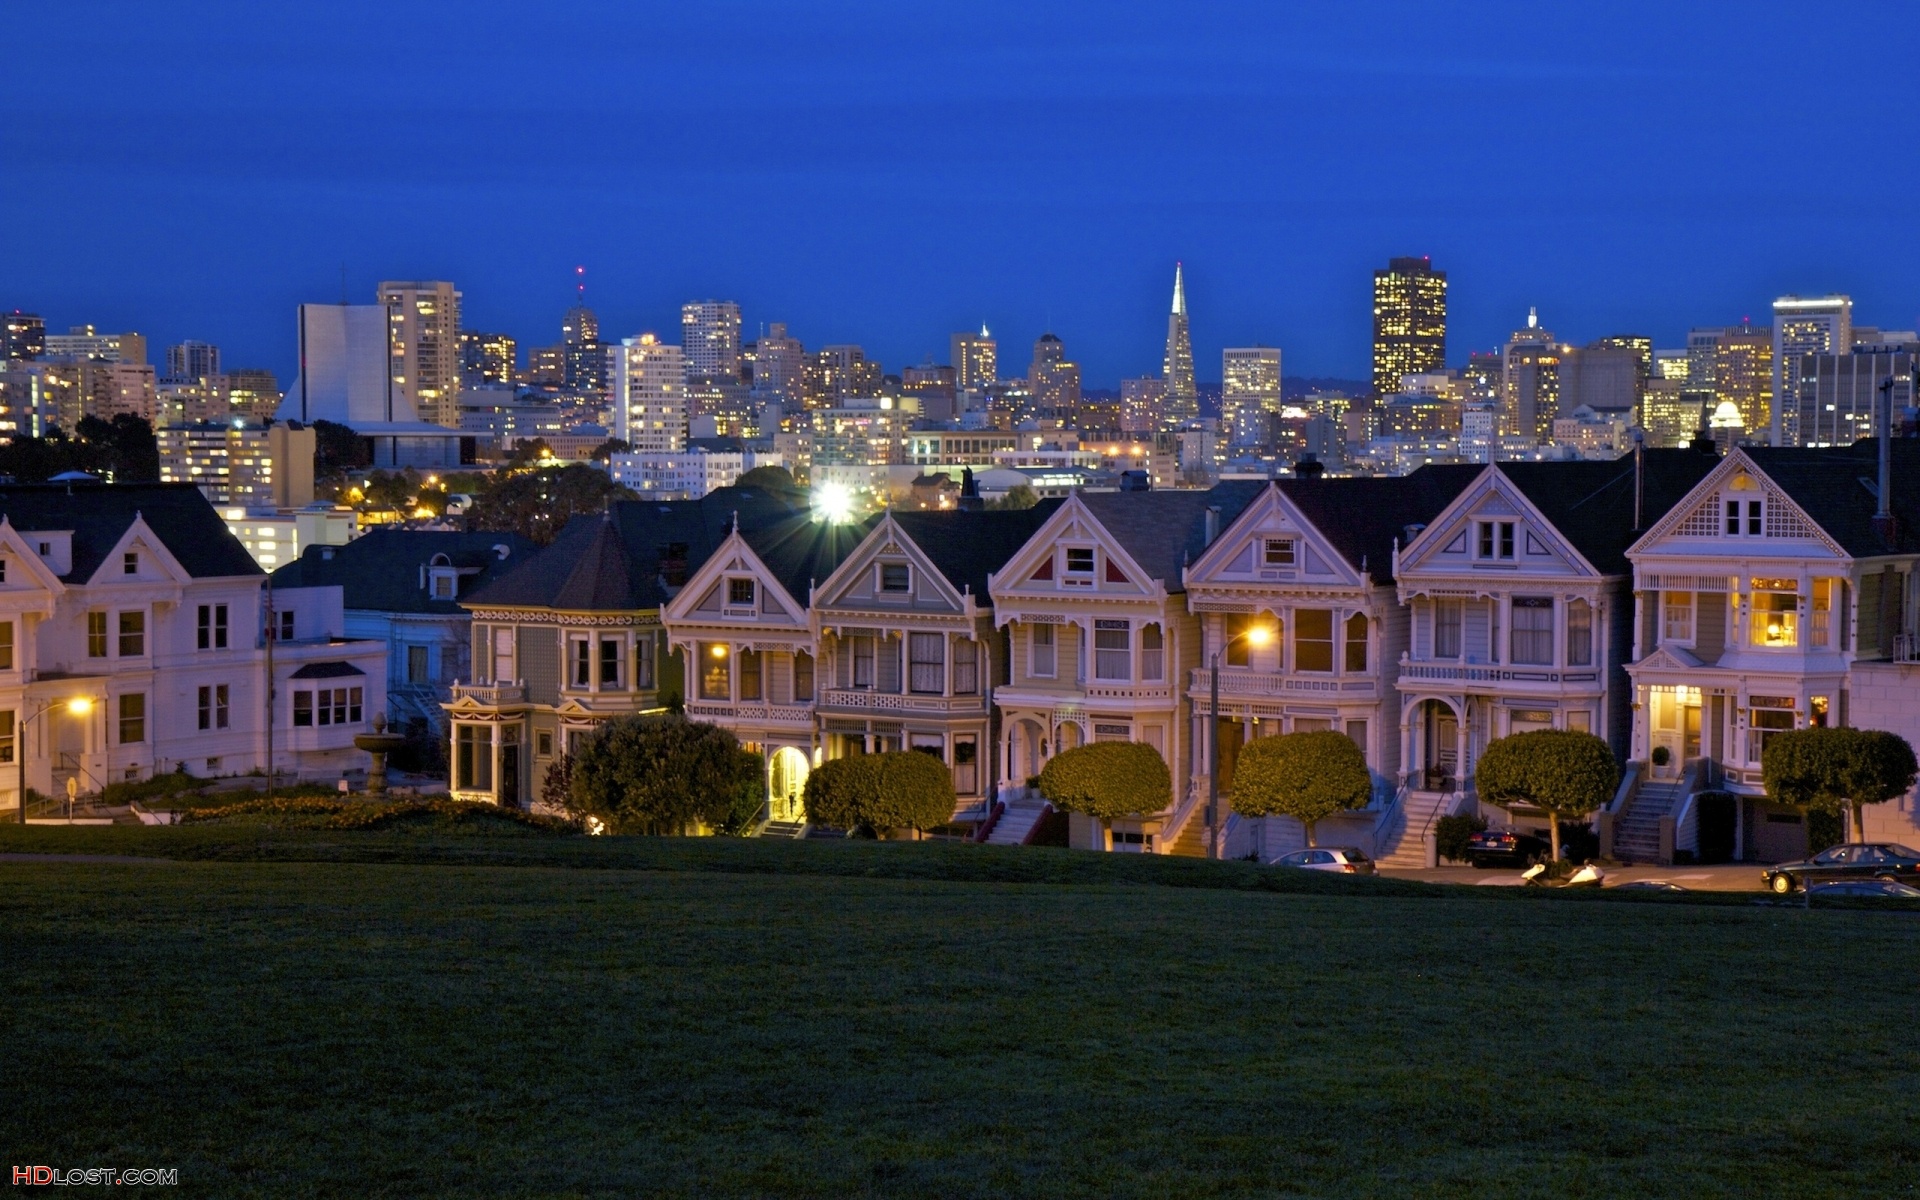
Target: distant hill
(1306,385)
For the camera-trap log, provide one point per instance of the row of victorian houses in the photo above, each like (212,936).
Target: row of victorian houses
(1681,605)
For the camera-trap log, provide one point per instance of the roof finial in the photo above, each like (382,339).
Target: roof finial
(736,520)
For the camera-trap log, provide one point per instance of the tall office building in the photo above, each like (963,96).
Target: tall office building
(932,386)
(1249,392)
(583,360)
(487,358)
(1140,403)
(1529,383)
(253,393)
(836,374)
(424,320)
(1642,348)
(1602,375)
(710,339)
(975,361)
(775,364)
(1409,322)
(192,360)
(1743,375)
(1803,325)
(1182,404)
(346,368)
(81,342)
(26,336)
(650,395)
(1054,379)
(1839,398)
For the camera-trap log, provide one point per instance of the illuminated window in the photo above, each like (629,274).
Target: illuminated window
(1773,618)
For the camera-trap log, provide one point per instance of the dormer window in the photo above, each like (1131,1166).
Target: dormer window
(895,578)
(739,593)
(1280,552)
(443,584)
(130,563)
(1495,540)
(3,570)
(1745,515)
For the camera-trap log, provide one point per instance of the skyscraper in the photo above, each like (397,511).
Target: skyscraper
(26,336)
(487,357)
(710,339)
(1530,383)
(1743,375)
(1182,405)
(975,361)
(1803,326)
(775,363)
(1140,403)
(1409,322)
(347,372)
(424,320)
(584,368)
(650,395)
(192,360)
(1055,379)
(1249,392)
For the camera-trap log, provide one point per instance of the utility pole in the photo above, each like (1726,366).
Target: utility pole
(272,633)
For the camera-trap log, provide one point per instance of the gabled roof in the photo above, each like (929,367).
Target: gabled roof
(380,570)
(966,546)
(1590,504)
(1361,518)
(1836,487)
(611,561)
(99,514)
(1164,531)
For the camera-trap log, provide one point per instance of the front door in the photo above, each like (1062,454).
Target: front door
(510,775)
(1443,747)
(786,784)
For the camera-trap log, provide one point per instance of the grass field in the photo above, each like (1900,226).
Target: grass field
(297,1013)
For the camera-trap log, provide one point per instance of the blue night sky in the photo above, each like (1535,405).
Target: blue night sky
(889,173)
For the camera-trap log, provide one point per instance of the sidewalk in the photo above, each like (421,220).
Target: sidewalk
(1723,877)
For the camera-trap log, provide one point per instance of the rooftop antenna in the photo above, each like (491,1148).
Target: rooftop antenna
(580,286)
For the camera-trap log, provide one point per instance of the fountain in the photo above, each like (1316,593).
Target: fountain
(379,744)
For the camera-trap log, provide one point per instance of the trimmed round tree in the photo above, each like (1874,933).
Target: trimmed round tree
(840,792)
(1306,776)
(1108,781)
(916,792)
(661,775)
(1566,773)
(1837,770)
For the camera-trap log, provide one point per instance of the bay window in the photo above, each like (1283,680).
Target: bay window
(1112,650)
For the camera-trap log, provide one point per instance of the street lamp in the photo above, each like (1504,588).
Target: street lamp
(1256,634)
(79,706)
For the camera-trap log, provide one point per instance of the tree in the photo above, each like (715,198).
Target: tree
(1561,771)
(1108,781)
(660,775)
(1836,771)
(122,450)
(770,479)
(604,452)
(538,504)
(905,789)
(1306,776)
(556,788)
(1018,496)
(338,449)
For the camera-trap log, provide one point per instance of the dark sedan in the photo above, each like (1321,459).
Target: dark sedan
(1851,860)
(1506,848)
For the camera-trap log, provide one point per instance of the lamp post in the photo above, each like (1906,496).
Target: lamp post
(1256,635)
(79,706)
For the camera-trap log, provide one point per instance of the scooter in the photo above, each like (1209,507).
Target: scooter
(1589,875)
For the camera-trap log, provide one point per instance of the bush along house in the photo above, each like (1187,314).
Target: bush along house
(741,624)
(1297,600)
(908,652)
(1521,612)
(1100,643)
(1778,595)
(572,636)
(133,641)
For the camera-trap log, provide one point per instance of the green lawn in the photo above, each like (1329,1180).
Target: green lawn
(727,1018)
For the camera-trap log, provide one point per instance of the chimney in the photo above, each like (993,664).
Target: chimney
(1309,467)
(969,492)
(1883,523)
(1213,523)
(1639,478)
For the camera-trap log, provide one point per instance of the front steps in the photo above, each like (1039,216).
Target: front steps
(1636,838)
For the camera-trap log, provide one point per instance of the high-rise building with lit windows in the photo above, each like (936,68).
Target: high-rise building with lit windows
(775,363)
(710,339)
(1743,375)
(1054,379)
(583,360)
(975,361)
(1530,383)
(423,319)
(190,361)
(26,336)
(649,395)
(1803,325)
(1249,392)
(1409,322)
(1140,403)
(1182,404)
(487,358)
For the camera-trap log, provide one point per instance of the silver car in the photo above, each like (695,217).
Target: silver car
(1346,859)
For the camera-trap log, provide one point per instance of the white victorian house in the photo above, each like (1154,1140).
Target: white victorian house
(1521,613)
(1762,599)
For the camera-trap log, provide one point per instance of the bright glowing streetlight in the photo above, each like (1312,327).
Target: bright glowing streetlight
(834,502)
(1257,633)
(79,706)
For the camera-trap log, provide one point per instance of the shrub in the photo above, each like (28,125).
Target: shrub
(905,789)
(1306,776)
(1452,834)
(1108,781)
(1563,772)
(1832,770)
(660,775)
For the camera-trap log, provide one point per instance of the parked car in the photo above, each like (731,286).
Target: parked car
(1345,859)
(1864,889)
(1506,848)
(1849,860)
(1649,885)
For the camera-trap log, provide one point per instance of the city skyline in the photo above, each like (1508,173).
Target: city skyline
(830,215)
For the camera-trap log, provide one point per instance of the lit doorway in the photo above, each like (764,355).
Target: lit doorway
(1676,729)
(787,785)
